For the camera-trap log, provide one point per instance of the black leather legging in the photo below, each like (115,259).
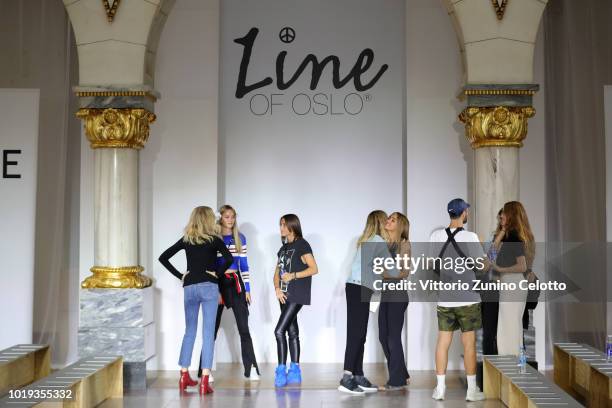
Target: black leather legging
(287,323)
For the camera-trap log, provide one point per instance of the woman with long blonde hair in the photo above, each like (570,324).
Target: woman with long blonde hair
(236,288)
(513,262)
(393,305)
(359,288)
(201,244)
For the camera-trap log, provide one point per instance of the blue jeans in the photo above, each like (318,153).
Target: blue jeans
(207,295)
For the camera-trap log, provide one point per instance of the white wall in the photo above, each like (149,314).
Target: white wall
(19,134)
(438,156)
(440,160)
(179,162)
(533,186)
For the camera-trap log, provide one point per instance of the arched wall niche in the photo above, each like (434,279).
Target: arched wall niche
(120,53)
(496,51)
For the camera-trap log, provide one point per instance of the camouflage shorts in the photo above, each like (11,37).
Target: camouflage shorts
(466,318)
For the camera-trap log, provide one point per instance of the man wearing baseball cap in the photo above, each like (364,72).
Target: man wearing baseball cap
(460,309)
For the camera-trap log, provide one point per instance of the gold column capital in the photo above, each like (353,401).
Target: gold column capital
(128,277)
(118,128)
(496,126)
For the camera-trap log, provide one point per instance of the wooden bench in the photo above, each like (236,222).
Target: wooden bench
(583,370)
(84,384)
(531,389)
(23,364)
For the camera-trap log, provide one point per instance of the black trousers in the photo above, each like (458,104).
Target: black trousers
(390,325)
(241,314)
(525,319)
(357,315)
(490,313)
(288,324)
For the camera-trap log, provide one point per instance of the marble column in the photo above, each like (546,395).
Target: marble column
(116,207)
(116,127)
(496,182)
(116,301)
(495,125)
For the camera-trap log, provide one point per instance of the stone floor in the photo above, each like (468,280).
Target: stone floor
(318,390)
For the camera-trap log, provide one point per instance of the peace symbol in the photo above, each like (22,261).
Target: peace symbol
(287,35)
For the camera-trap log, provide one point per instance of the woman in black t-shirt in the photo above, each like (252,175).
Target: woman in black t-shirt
(513,262)
(292,281)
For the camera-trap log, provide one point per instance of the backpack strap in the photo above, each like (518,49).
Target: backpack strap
(456,245)
(451,240)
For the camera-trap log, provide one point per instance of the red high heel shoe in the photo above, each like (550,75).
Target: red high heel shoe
(186,381)
(205,387)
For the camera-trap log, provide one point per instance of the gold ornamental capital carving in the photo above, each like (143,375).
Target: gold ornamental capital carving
(496,126)
(118,128)
(128,277)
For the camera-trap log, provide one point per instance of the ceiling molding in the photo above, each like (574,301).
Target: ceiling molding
(500,8)
(111,9)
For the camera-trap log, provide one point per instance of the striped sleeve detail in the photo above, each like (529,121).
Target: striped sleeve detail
(243,264)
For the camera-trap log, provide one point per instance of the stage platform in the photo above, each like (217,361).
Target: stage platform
(318,390)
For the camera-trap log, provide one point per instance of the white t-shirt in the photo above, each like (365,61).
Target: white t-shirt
(462,236)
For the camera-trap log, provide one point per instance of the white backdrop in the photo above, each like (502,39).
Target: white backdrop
(331,164)
(19,131)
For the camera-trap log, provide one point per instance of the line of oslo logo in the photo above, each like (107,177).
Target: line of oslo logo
(302,104)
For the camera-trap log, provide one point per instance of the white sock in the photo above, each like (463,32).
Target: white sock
(441,381)
(471,380)
(347,372)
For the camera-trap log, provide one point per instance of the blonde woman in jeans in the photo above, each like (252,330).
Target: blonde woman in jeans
(201,244)
(513,262)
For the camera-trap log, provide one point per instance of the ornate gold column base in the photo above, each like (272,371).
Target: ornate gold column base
(129,277)
(496,126)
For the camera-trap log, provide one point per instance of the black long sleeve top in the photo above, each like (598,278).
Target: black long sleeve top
(200,259)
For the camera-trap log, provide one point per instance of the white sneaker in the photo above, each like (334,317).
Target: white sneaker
(474,394)
(438,393)
(210,378)
(254,376)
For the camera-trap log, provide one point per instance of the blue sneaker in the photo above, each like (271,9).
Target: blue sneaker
(294,375)
(280,379)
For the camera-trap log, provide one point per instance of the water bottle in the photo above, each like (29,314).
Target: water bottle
(522,360)
(609,348)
